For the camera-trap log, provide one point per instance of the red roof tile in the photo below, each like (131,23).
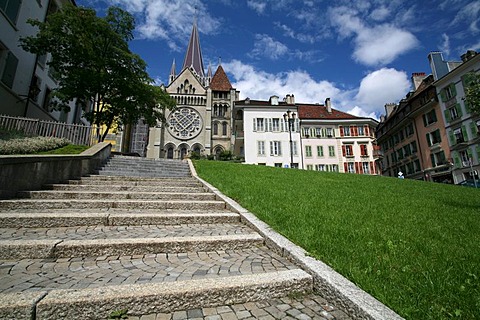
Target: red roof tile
(220,81)
(320,112)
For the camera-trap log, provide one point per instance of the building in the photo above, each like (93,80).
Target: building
(202,121)
(412,135)
(461,125)
(320,137)
(26,80)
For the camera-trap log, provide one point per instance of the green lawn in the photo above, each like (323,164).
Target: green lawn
(413,245)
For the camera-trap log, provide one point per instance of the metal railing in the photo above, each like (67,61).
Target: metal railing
(76,133)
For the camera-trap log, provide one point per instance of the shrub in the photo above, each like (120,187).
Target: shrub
(31,145)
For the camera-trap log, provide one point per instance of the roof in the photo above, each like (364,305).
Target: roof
(317,111)
(193,57)
(220,81)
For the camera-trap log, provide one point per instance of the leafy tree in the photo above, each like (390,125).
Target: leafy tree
(472,93)
(93,63)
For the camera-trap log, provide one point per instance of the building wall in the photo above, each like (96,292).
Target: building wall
(460,124)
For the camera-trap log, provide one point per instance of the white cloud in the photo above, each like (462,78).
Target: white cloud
(258,6)
(380,87)
(377,45)
(266,46)
(470,13)
(170,20)
(261,85)
(380,14)
(375,90)
(445,46)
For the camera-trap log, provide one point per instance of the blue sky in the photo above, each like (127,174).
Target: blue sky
(360,53)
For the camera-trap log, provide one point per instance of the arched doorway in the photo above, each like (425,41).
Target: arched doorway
(170,152)
(183,151)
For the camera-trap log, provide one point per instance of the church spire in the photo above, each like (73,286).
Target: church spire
(172,72)
(193,57)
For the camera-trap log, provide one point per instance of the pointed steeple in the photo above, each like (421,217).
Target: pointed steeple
(172,73)
(193,57)
(220,81)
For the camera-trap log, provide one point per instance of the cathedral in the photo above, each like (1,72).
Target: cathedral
(202,121)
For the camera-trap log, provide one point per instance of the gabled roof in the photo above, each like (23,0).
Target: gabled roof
(193,57)
(220,81)
(317,111)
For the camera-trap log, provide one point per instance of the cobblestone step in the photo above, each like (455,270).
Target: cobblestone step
(130,188)
(20,204)
(60,194)
(111,217)
(58,248)
(98,303)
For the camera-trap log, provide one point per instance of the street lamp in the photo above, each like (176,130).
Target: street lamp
(290,117)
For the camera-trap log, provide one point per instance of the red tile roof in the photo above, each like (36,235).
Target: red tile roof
(317,111)
(220,81)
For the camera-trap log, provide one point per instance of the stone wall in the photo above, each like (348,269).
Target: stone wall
(31,172)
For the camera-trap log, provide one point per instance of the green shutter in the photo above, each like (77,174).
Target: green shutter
(470,154)
(478,152)
(473,129)
(453,89)
(465,133)
(456,160)
(443,96)
(452,138)
(447,115)
(459,110)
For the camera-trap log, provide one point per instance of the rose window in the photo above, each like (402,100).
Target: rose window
(184,123)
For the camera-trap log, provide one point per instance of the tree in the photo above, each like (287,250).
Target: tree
(93,63)
(472,93)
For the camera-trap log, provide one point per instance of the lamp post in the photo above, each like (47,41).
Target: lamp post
(290,117)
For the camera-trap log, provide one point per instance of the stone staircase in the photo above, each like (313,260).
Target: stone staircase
(144,236)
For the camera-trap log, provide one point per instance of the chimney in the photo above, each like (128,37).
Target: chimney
(389,108)
(468,55)
(417,78)
(287,99)
(382,118)
(292,98)
(328,104)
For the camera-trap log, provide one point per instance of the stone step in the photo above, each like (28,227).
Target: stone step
(153,164)
(139,299)
(64,247)
(142,174)
(20,204)
(122,195)
(130,188)
(111,217)
(136,181)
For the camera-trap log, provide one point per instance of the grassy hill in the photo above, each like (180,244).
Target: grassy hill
(413,245)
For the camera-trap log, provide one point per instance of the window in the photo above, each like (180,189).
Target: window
(8,66)
(318,132)
(333,168)
(306,132)
(453,113)
(347,150)
(363,150)
(10,8)
(409,130)
(308,151)
(329,132)
(47,99)
(215,128)
(433,138)
(465,158)
(331,151)
(258,124)
(459,138)
(275,148)
(320,167)
(319,151)
(413,147)
(309,166)
(275,124)
(350,167)
(366,167)
(438,158)
(477,124)
(361,131)
(448,93)
(294,148)
(346,131)
(278,165)
(429,118)
(261,148)
(224,129)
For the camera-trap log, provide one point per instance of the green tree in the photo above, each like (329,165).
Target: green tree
(472,93)
(93,63)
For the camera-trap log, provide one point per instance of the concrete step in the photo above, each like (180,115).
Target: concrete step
(148,174)
(129,188)
(111,217)
(20,204)
(121,195)
(136,181)
(65,248)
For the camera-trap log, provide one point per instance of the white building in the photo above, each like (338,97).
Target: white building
(322,138)
(26,81)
